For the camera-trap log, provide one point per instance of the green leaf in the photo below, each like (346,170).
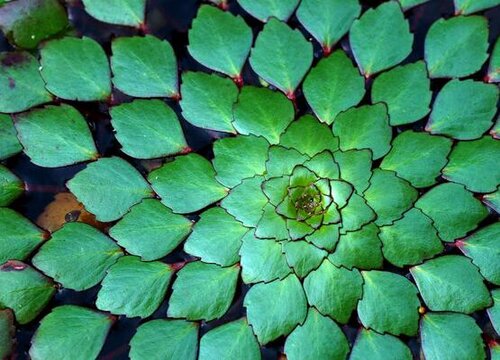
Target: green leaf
(7,333)
(392,44)
(150,230)
(371,345)
(132,287)
(92,186)
(389,304)
(494,68)
(270,318)
(234,340)
(262,260)
(328,20)
(303,257)
(483,248)
(333,86)
(356,214)
(355,167)
(165,339)
(417,157)
(326,237)
(372,129)
(309,136)
(408,4)
(453,210)
(282,161)
(119,12)
(219,40)
(410,240)
(207,101)
(451,336)
(70,332)
(55,136)
(144,67)
(493,200)
(334,291)
(494,311)
(262,112)
(451,283)
(466,7)
(169,182)
(246,201)
(24,290)
(28,22)
(216,238)
(281,56)
(77,256)
(21,86)
(456,47)
(406,92)
(389,196)
(324,165)
(9,144)
(265,9)
(203,291)
(318,338)
(19,237)
(271,225)
(147,129)
(11,187)
(88,77)
(475,164)
(359,249)
(249,152)
(463,110)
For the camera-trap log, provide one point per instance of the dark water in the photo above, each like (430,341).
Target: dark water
(170,19)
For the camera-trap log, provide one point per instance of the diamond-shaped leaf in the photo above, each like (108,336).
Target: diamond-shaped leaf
(11,187)
(451,336)
(471,6)
(483,248)
(168,339)
(88,77)
(92,186)
(119,12)
(144,67)
(303,257)
(264,9)
(76,332)
(371,345)
(77,256)
(270,318)
(216,238)
(24,290)
(475,164)
(150,230)
(494,67)
(169,182)
(417,157)
(451,283)
(392,44)
(21,86)
(389,304)
(9,144)
(463,110)
(219,40)
(453,210)
(318,338)
(55,136)
(234,340)
(202,291)
(328,20)
(372,129)
(406,91)
(456,47)
(153,120)
(281,56)
(132,287)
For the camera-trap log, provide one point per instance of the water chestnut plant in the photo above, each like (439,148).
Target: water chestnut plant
(236,179)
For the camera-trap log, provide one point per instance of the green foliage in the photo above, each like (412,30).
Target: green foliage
(238,190)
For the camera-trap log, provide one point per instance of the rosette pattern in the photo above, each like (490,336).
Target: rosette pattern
(340,203)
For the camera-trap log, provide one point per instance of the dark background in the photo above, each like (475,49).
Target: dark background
(171,19)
